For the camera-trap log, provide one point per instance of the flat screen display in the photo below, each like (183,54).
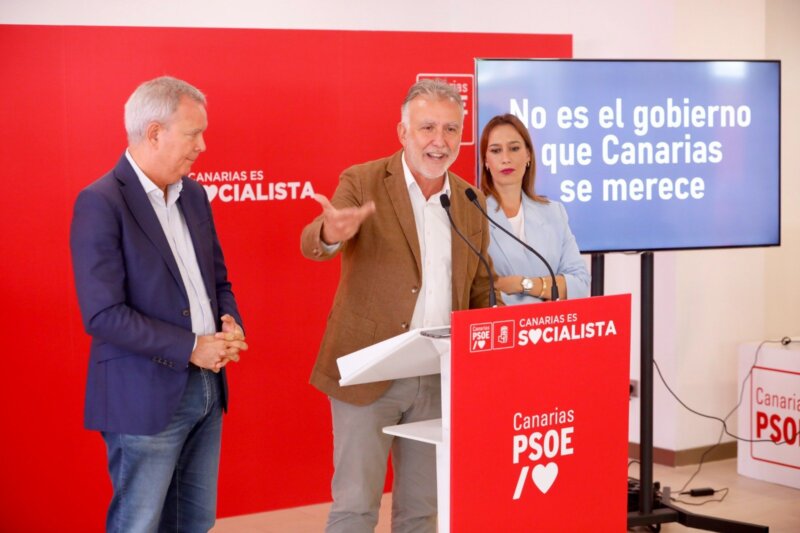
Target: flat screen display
(649,155)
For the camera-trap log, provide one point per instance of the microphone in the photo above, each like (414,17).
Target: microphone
(445,200)
(472,197)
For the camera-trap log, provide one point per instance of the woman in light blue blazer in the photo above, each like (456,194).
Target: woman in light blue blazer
(508,170)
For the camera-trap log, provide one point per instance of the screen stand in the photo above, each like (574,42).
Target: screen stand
(646,507)
(598,274)
(656,508)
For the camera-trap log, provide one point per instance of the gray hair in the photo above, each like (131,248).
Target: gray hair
(155,101)
(437,88)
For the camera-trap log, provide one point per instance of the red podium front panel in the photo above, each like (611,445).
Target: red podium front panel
(539,417)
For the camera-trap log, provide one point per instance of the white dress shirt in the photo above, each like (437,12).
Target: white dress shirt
(180,242)
(435,300)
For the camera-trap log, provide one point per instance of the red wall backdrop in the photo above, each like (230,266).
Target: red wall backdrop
(288,110)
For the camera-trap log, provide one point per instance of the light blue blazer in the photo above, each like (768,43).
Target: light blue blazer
(546,231)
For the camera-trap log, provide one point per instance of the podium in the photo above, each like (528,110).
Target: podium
(534,427)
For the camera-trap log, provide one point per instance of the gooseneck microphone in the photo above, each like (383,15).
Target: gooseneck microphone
(472,197)
(445,200)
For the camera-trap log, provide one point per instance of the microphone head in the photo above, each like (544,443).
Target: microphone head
(445,201)
(471,196)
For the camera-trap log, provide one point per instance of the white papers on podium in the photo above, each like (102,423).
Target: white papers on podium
(406,355)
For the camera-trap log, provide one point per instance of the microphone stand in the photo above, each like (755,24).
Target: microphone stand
(474,199)
(446,205)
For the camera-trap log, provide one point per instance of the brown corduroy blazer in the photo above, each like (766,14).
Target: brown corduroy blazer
(381,268)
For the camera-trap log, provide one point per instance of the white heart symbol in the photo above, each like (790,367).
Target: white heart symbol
(481,344)
(211,191)
(535,335)
(544,476)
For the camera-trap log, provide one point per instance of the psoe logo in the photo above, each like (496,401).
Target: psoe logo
(480,337)
(487,336)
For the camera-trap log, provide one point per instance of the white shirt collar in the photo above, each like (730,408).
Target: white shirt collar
(173,191)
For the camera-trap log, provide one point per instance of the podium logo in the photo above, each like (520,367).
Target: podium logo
(541,445)
(503,334)
(567,332)
(542,476)
(480,337)
(487,336)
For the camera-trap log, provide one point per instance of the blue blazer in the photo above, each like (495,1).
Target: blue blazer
(133,302)
(546,231)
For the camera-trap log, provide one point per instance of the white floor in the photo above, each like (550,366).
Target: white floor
(748,500)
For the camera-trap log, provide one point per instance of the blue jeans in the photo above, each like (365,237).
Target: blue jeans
(168,481)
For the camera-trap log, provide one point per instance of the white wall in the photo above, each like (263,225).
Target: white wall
(707,302)
(783,289)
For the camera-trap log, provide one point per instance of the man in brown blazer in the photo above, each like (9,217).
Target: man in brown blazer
(402,268)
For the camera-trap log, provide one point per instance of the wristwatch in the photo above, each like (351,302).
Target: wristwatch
(527,284)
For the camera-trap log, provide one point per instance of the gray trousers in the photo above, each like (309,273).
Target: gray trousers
(360,453)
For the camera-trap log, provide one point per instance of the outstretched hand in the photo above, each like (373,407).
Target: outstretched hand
(340,224)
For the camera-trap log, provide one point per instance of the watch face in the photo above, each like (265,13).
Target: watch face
(527,284)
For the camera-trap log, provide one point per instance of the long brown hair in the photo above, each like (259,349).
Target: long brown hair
(528,178)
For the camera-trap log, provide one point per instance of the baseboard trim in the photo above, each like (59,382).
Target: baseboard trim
(726,450)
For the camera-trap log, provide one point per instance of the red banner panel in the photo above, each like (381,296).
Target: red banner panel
(288,111)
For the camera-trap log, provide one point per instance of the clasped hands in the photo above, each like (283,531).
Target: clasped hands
(215,351)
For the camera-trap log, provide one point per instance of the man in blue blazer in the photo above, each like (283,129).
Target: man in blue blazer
(155,297)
